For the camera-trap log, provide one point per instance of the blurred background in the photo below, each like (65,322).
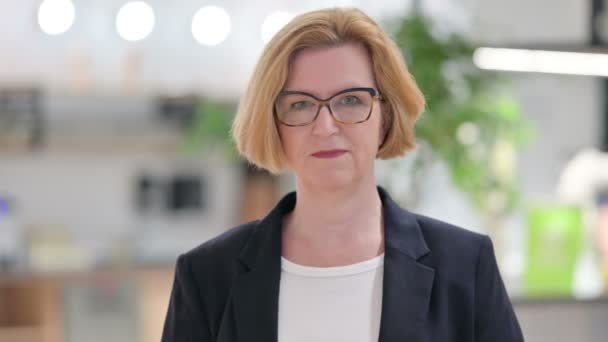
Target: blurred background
(115,155)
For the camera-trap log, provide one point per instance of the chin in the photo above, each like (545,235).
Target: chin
(330,179)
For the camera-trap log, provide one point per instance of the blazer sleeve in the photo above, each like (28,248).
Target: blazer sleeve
(495,320)
(185,320)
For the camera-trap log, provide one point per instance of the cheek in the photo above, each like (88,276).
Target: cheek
(366,139)
(284,136)
(376,130)
(383,126)
(289,141)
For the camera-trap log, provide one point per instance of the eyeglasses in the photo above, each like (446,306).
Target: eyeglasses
(349,106)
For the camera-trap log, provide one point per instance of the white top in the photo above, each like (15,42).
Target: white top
(330,304)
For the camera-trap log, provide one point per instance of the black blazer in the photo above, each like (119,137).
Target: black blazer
(441,284)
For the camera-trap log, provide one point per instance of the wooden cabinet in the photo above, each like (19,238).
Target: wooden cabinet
(35,307)
(29,312)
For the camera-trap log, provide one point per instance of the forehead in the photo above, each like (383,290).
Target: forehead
(325,71)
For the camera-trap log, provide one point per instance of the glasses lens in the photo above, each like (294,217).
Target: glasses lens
(296,109)
(352,107)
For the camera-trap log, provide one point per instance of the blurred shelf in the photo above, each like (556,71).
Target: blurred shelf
(563,319)
(126,272)
(40,306)
(547,301)
(20,333)
(100,140)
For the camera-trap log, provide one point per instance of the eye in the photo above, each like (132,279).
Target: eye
(300,105)
(350,100)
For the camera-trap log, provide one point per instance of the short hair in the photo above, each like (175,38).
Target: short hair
(254,128)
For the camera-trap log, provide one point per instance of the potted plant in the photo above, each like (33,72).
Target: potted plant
(470,124)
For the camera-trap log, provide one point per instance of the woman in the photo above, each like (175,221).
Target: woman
(337,260)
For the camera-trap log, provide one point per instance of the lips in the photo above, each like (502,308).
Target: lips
(328,153)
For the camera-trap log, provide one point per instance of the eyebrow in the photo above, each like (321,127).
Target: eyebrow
(318,97)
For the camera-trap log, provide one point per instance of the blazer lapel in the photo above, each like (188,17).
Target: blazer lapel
(407,283)
(256,291)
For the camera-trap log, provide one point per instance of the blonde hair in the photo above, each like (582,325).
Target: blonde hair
(254,128)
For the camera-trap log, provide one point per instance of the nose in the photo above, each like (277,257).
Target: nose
(325,125)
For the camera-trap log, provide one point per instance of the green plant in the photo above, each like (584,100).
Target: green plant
(469,123)
(210,129)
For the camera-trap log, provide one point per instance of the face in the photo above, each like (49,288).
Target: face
(328,153)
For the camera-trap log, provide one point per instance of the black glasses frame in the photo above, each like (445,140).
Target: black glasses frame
(325,103)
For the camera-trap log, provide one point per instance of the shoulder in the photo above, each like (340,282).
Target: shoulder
(438,232)
(453,249)
(221,251)
(444,241)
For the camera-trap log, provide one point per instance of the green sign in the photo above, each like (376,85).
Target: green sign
(555,238)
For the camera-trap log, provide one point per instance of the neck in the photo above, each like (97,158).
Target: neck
(352,213)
